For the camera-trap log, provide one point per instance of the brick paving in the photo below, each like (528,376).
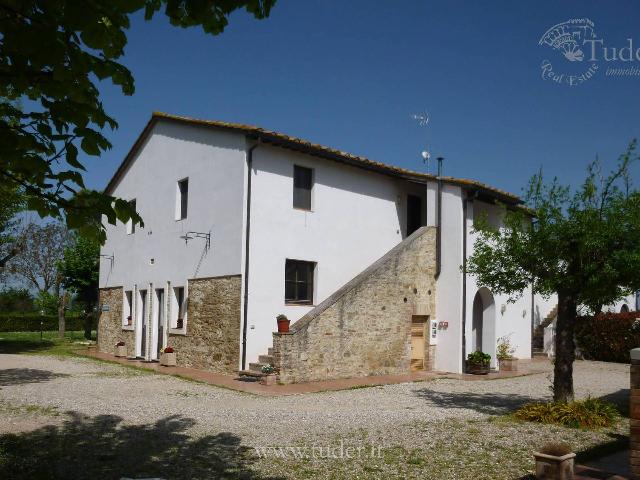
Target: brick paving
(235,383)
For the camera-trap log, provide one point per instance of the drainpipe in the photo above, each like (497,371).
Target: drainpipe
(464,282)
(246,255)
(439,220)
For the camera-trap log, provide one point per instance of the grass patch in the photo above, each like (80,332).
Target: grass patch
(46,344)
(28,409)
(590,413)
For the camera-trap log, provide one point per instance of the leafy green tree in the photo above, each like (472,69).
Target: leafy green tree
(583,246)
(79,269)
(52,53)
(12,201)
(16,300)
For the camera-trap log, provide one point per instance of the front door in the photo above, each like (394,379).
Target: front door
(414,213)
(418,338)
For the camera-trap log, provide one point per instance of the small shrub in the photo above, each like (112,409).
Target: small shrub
(590,413)
(505,350)
(479,357)
(608,337)
(268,369)
(557,449)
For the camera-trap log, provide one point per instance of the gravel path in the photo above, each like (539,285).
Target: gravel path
(91,388)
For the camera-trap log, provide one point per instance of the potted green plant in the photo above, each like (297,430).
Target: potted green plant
(504,354)
(270,375)
(168,357)
(478,363)
(283,323)
(121,349)
(554,461)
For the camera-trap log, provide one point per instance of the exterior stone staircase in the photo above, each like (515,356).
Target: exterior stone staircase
(255,369)
(538,333)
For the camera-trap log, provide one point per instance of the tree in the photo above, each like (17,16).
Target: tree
(16,300)
(37,263)
(582,245)
(79,269)
(51,53)
(12,201)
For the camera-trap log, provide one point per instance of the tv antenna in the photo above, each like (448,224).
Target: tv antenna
(423,121)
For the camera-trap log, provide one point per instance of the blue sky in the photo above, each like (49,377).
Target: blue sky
(349,74)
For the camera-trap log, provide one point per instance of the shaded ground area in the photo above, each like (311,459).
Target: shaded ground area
(102,447)
(64,417)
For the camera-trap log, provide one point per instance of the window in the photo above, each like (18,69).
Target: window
(178,308)
(298,282)
(128,308)
(302,184)
(131,227)
(182,200)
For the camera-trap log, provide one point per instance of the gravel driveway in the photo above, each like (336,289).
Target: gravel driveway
(81,398)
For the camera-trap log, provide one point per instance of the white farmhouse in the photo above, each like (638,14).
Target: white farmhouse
(242,224)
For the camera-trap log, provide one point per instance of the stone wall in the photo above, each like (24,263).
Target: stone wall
(364,328)
(634,414)
(110,329)
(212,339)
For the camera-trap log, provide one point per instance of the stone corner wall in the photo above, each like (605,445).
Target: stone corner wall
(110,329)
(365,327)
(634,413)
(212,340)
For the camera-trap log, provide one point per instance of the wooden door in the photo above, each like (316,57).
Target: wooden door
(418,341)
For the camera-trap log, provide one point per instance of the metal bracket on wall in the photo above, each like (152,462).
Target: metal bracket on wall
(191,235)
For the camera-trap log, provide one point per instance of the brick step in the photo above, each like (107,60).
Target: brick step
(256,367)
(266,359)
(250,373)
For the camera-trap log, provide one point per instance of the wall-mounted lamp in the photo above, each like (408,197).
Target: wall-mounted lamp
(191,235)
(503,309)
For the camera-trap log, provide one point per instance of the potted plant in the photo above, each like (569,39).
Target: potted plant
(283,323)
(270,375)
(554,461)
(129,320)
(478,363)
(180,323)
(121,349)
(504,354)
(168,357)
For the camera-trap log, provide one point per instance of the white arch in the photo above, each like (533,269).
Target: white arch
(483,330)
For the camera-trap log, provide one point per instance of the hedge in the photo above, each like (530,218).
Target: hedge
(608,337)
(24,322)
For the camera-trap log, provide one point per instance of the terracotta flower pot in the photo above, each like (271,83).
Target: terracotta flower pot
(477,368)
(121,350)
(550,467)
(168,359)
(283,325)
(270,379)
(508,365)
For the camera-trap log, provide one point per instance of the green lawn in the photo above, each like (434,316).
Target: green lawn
(48,344)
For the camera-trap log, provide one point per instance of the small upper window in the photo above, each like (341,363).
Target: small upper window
(131,227)
(182,200)
(302,185)
(298,282)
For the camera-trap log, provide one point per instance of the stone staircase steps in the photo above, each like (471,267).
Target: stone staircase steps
(266,359)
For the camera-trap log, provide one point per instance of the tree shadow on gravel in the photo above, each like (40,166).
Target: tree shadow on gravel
(19,376)
(487,403)
(103,447)
(10,345)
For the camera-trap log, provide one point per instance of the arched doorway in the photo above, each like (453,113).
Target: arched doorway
(624,308)
(483,327)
